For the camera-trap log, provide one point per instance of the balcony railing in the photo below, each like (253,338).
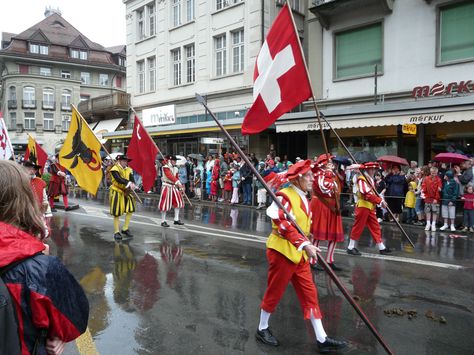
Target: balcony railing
(65,106)
(28,103)
(49,105)
(12,104)
(102,105)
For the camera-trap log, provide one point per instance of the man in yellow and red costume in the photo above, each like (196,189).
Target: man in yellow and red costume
(288,254)
(365,214)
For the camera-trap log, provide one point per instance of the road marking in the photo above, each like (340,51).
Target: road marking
(259,239)
(85,344)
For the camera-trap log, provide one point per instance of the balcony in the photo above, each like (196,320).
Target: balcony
(28,104)
(12,104)
(106,106)
(326,10)
(49,105)
(65,106)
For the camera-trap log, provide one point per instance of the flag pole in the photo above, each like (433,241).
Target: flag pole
(329,270)
(319,115)
(105,149)
(159,150)
(8,138)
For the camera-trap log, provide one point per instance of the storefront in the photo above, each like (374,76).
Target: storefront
(414,130)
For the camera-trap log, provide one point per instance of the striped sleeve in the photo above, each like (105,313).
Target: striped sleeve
(367,192)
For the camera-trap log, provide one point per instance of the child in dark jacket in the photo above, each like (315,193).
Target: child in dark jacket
(450,193)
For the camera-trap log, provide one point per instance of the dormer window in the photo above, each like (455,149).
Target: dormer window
(36,48)
(78,54)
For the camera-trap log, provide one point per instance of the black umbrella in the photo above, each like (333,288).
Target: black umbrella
(196,156)
(342,160)
(364,157)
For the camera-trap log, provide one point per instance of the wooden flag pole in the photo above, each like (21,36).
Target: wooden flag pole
(329,270)
(159,151)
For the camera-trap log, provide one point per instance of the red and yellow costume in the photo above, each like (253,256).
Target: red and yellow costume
(57,184)
(365,211)
(170,192)
(287,260)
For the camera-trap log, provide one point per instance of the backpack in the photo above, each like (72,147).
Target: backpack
(10,339)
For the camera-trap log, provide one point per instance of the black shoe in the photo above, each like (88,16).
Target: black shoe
(385,251)
(127,233)
(68,208)
(331,345)
(118,236)
(334,267)
(266,337)
(164,224)
(316,267)
(54,210)
(178,223)
(354,251)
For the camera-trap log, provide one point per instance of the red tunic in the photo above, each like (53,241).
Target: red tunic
(38,185)
(215,179)
(57,184)
(326,219)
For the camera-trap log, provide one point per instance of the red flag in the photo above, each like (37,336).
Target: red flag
(142,150)
(280,78)
(35,153)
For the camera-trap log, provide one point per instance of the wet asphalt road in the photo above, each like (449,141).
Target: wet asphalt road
(196,289)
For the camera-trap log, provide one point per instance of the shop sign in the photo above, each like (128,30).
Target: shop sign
(438,89)
(409,129)
(208,140)
(426,119)
(158,116)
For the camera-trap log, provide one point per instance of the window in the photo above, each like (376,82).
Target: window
(65,122)
(358,51)
(140,24)
(456,32)
(34,48)
(29,119)
(74,53)
(44,50)
(220,55)
(85,78)
(38,49)
(296,5)
(121,61)
(66,100)
(151,73)
(190,63)
(12,93)
(48,121)
(221,4)
(176,58)
(238,51)
(141,76)
(48,98)
(151,19)
(29,97)
(176,12)
(189,10)
(65,74)
(12,120)
(83,55)
(45,71)
(103,79)
(84,97)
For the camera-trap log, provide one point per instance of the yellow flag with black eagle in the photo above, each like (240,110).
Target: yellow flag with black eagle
(80,154)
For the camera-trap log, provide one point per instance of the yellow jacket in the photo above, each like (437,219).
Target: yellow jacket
(410,197)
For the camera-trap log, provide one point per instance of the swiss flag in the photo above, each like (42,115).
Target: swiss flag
(280,77)
(143,150)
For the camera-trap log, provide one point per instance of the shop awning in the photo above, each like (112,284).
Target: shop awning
(106,126)
(373,116)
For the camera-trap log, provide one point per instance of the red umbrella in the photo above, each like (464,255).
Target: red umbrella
(454,158)
(393,159)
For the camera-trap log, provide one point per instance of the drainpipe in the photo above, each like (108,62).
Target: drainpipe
(262,28)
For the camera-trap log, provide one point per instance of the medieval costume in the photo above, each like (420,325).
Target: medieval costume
(325,208)
(171,191)
(57,185)
(120,196)
(288,252)
(365,211)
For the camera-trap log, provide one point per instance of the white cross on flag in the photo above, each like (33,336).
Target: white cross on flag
(6,149)
(280,78)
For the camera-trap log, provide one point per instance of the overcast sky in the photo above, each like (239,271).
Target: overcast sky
(102,21)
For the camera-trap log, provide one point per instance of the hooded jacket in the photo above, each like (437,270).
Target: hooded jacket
(44,293)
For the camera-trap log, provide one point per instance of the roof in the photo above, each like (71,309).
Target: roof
(117,49)
(55,29)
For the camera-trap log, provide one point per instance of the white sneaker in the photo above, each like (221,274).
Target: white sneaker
(444,227)
(379,220)
(433,227)
(428,226)
(453,228)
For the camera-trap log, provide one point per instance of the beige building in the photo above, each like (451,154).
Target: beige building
(50,66)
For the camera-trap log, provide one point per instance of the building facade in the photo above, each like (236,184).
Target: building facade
(47,68)
(181,47)
(396,78)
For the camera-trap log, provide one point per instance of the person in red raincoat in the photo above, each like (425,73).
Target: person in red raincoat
(216,171)
(326,215)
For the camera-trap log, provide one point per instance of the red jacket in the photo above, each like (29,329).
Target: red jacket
(430,189)
(43,291)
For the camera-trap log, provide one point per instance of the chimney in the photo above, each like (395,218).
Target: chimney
(49,10)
